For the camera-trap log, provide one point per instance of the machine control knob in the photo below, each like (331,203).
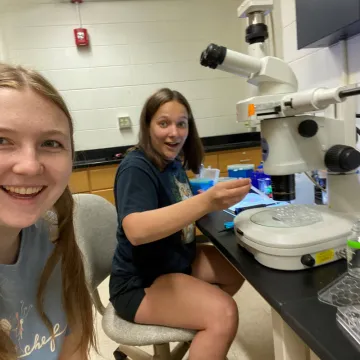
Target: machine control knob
(308,128)
(342,158)
(307,260)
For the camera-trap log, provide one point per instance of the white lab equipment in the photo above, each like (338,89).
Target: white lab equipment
(304,190)
(293,140)
(210,173)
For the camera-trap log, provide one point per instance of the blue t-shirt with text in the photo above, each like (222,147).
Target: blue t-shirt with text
(18,289)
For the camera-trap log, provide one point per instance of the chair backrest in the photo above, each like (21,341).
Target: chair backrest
(95,223)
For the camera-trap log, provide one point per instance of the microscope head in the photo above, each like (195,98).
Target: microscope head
(303,143)
(291,145)
(295,140)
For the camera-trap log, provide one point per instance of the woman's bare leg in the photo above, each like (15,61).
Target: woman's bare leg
(179,300)
(211,267)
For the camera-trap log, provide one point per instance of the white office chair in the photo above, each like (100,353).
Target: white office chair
(95,222)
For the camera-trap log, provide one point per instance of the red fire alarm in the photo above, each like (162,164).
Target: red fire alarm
(81,37)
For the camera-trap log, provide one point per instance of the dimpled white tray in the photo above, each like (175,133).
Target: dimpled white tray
(344,291)
(344,294)
(349,318)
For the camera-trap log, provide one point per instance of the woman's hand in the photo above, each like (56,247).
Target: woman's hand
(228,193)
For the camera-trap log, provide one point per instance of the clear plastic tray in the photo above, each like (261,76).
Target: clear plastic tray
(348,318)
(297,215)
(344,291)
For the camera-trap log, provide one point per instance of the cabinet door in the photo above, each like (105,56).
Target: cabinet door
(107,194)
(79,181)
(242,156)
(102,178)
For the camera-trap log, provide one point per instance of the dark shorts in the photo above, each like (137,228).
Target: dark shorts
(126,305)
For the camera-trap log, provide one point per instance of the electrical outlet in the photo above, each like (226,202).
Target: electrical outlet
(124,122)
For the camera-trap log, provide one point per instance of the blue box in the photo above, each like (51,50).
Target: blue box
(200,184)
(240,170)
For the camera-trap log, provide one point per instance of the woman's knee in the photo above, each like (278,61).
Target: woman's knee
(224,317)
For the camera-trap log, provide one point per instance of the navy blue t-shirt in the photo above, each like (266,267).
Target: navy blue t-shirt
(141,186)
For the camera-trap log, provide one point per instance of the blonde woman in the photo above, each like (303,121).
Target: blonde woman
(45,307)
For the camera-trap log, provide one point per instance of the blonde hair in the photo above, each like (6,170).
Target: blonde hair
(75,294)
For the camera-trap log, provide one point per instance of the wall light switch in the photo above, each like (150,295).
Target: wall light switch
(124,122)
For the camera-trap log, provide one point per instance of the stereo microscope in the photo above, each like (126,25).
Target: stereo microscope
(293,140)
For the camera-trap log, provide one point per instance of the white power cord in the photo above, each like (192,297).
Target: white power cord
(269,20)
(79,14)
(345,67)
(314,182)
(272,34)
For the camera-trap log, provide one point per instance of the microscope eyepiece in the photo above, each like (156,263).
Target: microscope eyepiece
(213,56)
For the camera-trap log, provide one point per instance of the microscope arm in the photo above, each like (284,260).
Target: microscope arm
(315,99)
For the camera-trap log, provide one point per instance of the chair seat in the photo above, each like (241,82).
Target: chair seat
(127,333)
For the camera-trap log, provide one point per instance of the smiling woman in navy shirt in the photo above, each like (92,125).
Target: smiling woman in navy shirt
(159,275)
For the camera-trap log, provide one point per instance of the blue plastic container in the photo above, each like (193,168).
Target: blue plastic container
(255,177)
(200,184)
(240,170)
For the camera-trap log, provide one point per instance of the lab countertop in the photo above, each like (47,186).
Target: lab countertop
(293,294)
(110,156)
(82,164)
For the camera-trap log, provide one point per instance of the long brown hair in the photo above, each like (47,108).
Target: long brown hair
(75,294)
(192,151)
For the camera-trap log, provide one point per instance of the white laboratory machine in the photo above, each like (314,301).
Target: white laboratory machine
(293,140)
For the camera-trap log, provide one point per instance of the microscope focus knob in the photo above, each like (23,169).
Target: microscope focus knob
(307,260)
(342,158)
(308,128)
